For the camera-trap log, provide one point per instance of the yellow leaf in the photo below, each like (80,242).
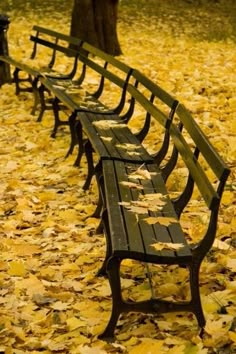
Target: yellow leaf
(154,197)
(228,198)
(11,166)
(59,306)
(167,245)
(88,350)
(232,336)
(148,347)
(138,209)
(231,263)
(17,269)
(106,138)
(140,173)
(74,322)
(18,331)
(165,221)
(131,185)
(32,284)
(107,124)
(221,245)
(128,147)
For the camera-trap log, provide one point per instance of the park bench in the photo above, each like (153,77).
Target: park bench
(48,48)
(135,167)
(113,138)
(80,89)
(100,78)
(128,183)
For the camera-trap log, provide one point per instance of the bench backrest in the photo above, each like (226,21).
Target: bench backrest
(154,102)
(205,168)
(110,70)
(92,59)
(56,42)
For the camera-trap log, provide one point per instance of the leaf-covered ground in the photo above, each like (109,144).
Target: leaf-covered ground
(50,298)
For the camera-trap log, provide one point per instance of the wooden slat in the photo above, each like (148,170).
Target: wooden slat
(174,230)
(106,57)
(31,71)
(148,106)
(119,136)
(61,36)
(119,240)
(60,94)
(208,192)
(102,71)
(134,236)
(154,88)
(91,133)
(201,141)
(153,233)
(126,225)
(57,47)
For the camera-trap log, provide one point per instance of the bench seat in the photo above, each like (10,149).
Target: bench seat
(130,235)
(111,139)
(129,202)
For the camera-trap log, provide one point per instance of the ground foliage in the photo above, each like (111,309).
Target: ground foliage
(51,300)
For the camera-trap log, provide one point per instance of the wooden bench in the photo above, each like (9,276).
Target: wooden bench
(99,77)
(154,233)
(134,168)
(112,138)
(49,47)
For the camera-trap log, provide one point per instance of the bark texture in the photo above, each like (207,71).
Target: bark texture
(95,21)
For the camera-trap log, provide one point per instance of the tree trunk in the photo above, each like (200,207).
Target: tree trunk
(94,21)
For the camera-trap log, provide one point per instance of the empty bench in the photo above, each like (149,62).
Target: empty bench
(141,220)
(49,49)
(98,85)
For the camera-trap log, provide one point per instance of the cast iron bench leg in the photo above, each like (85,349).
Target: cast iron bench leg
(42,103)
(55,105)
(81,142)
(16,80)
(89,155)
(104,224)
(113,270)
(36,95)
(195,293)
(99,178)
(73,133)
(97,211)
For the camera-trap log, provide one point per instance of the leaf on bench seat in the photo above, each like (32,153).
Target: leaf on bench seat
(159,246)
(144,206)
(107,124)
(154,197)
(139,207)
(128,146)
(131,185)
(162,220)
(149,205)
(106,138)
(140,174)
